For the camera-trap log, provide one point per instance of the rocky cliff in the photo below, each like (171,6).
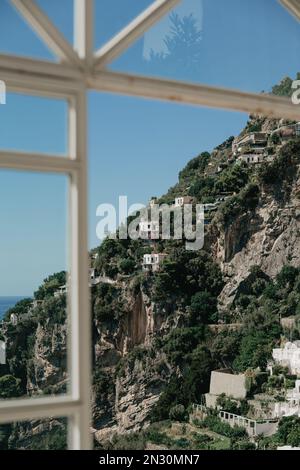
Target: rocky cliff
(153,343)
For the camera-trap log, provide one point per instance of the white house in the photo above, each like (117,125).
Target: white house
(182,200)
(153,201)
(212,206)
(291,406)
(2,352)
(251,158)
(152,261)
(149,229)
(94,278)
(13,319)
(288,356)
(61,291)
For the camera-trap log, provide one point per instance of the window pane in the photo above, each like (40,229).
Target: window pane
(23,41)
(45,434)
(165,318)
(30,123)
(33,284)
(112,15)
(61,14)
(224,43)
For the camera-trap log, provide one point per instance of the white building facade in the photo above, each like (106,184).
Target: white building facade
(182,200)
(288,356)
(152,261)
(149,229)
(13,319)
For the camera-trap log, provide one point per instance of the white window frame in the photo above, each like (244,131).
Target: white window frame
(79,70)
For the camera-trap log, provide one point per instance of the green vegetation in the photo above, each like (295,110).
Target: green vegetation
(283,167)
(108,306)
(20,308)
(50,285)
(284,88)
(289,431)
(10,387)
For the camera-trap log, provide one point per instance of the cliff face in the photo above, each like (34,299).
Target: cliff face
(138,377)
(267,237)
(48,366)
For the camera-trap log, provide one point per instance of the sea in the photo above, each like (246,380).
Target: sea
(8,302)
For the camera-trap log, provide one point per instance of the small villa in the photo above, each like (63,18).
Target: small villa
(251,158)
(153,201)
(182,200)
(61,291)
(210,207)
(288,356)
(13,319)
(149,230)
(152,261)
(253,140)
(288,131)
(291,405)
(94,278)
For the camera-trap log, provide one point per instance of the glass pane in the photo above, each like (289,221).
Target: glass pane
(31,123)
(33,284)
(112,15)
(61,14)
(23,41)
(170,325)
(224,43)
(45,434)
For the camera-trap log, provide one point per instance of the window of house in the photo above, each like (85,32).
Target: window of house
(147,44)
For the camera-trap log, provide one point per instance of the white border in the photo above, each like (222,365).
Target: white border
(78,71)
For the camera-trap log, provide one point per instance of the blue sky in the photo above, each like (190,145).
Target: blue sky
(136,147)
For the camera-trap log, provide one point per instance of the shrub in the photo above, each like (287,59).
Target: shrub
(203,307)
(127,265)
(178,413)
(10,387)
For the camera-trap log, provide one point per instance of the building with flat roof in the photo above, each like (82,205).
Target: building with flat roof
(152,261)
(182,200)
(288,356)
(149,229)
(224,382)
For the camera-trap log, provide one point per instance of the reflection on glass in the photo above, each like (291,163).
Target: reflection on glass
(232,44)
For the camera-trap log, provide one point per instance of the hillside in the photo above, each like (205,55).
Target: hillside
(158,335)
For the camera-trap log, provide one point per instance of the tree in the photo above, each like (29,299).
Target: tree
(289,430)
(287,276)
(9,387)
(50,285)
(177,413)
(20,308)
(127,265)
(203,307)
(183,47)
